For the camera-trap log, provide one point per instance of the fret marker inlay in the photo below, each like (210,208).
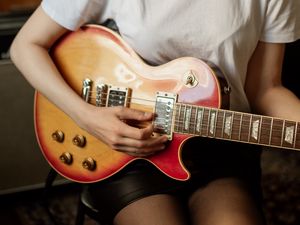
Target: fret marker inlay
(187,118)
(199,119)
(212,122)
(255,126)
(289,134)
(227,129)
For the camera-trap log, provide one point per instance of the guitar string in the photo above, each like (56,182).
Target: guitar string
(117,95)
(275,127)
(205,123)
(197,106)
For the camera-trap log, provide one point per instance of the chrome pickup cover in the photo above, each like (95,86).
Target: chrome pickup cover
(164,107)
(118,96)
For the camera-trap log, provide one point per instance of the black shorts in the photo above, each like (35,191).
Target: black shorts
(207,159)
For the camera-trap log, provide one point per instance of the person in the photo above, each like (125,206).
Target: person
(245,39)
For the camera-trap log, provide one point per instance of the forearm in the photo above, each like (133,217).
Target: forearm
(278,102)
(35,64)
(265,92)
(29,52)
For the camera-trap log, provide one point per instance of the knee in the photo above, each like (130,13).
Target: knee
(224,202)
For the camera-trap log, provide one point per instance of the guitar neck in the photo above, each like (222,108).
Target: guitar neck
(236,126)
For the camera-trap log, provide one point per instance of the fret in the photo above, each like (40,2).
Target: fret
(255,129)
(245,129)
(205,122)
(265,131)
(259,133)
(277,132)
(216,117)
(282,133)
(176,119)
(236,118)
(289,134)
(219,123)
(217,113)
(176,125)
(297,139)
(216,134)
(193,120)
(270,135)
(231,123)
(225,130)
(208,122)
(223,123)
(183,119)
(249,131)
(179,120)
(241,120)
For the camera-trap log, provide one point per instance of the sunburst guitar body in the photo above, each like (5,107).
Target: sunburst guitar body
(186,94)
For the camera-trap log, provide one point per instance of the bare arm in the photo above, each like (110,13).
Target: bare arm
(29,52)
(263,84)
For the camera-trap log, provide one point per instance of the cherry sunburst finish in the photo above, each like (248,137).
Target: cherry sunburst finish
(186,94)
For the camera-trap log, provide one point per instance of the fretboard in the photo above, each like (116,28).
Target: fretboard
(236,126)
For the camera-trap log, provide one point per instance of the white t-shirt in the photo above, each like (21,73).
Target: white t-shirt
(224,32)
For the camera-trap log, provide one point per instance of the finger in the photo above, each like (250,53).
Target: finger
(133,114)
(128,131)
(137,153)
(151,145)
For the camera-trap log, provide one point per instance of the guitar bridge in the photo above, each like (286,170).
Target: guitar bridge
(164,107)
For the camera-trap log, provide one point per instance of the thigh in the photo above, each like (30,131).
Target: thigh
(136,183)
(153,210)
(206,160)
(225,201)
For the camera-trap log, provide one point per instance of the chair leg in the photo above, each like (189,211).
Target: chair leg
(47,189)
(79,220)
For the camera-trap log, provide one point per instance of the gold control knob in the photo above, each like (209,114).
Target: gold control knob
(66,158)
(58,136)
(79,140)
(89,164)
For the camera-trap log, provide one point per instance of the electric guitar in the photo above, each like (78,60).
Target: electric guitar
(187,95)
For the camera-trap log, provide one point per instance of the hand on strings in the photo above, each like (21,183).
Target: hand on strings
(109,125)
